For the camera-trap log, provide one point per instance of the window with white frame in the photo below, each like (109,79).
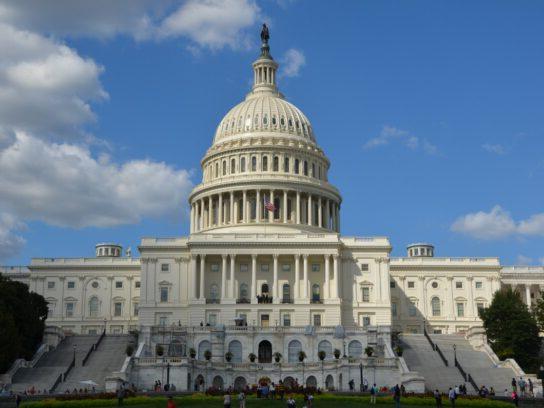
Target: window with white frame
(317,320)
(392,285)
(70,306)
(94,307)
(412,308)
(458,285)
(135,308)
(316,267)
(480,306)
(366,320)
(164,294)
(214,267)
(411,284)
(365,292)
(286,267)
(394,309)
(435,306)
(50,285)
(71,285)
(479,284)
(265,267)
(165,267)
(118,284)
(118,309)
(286,319)
(163,320)
(244,267)
(137,284)
(364,267)
(460,309)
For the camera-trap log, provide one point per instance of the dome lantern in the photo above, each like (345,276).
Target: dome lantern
(264,68)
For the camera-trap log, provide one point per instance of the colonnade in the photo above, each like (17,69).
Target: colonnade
(302,284)
(248,206)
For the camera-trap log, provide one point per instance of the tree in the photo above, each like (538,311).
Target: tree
(538,312)
(22,319)
(512,330)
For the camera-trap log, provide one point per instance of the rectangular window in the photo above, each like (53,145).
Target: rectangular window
(214,267)
(411,284)
(287,319)
(286,267)
(212,319)
(137,284)
(393,309)
(480,307)
(366,321)
(164,294)
(265,267)
(316,267)
(71,284)
(364,267)
(458,285)
(50,310)
(317,320)
(118,309)
(460,310)
(69,309)
(118,284)
(165,267)
(392,284)
(366,294)
(479,285)
(244,268)
(135,307)
(412,310)
(50,285)
(163,320)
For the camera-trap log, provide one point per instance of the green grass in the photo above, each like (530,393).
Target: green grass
(203,401)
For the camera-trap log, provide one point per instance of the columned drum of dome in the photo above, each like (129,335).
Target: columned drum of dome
(265,167)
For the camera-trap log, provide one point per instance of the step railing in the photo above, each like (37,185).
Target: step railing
(93,348)
(435,347)
(467,377)
(62,376)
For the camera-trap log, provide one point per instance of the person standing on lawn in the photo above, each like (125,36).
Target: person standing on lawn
(242,399)
(373,392)
(396,395)
(438,398)
(170,403)
(226,400)
(452,396)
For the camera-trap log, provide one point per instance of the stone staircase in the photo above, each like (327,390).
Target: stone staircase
(420,357)
(109,356)
(46,371)
(476,363)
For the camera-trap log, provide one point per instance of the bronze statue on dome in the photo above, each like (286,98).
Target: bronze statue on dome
(265,34)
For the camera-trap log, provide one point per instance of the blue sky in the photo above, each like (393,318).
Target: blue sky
(430,112)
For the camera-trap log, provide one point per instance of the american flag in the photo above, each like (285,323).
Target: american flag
(269,205)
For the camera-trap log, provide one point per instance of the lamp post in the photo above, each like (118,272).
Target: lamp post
(361,373)
(344,344)
(75,348)
(168,374)
(105,321)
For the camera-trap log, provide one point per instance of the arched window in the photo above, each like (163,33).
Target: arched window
(276,164)
(242,165)
(265,120)
(313,170)
(282,121)
(244,291)
(305,168)
(286,292)
(214,292)
(435,306)
(253,163)
(325,346)
(233,166)
(202,348)
(286,164)
(235,347)
(297,166)
(256,120)
(224,168)
(355,349)
(293,350)
(274,120)
(265,163)
(94,307)
(315,292)
(290,122)
(264,288)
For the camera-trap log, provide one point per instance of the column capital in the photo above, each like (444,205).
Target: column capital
(297,256)
(202,256)
(232,257)
(179,260)
(254,257)
(335,256)
(327,257)
(421,278)
(470,278)
(224,257)
(275,256)
(305,256)
(193,256)
(449,278)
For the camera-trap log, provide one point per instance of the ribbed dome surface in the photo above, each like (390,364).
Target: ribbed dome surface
(267,112)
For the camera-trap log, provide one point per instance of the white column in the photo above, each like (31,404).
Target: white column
(297,212)
(202,273)
(297,277)
(335,276)
(471,296)
(223,277)
(253,278)
(284,206)
(326,289)
(319,214)
(192,270)
(305,272)
(310,218)
(244,206)
(210,211)
(528,294)
(451,310)
(258,206)
(220,208)
(231,208)
(275,292)
(422,298)
(192,218)
(327,213)
(271,213)
(231,281)
(201,205)
(338,217)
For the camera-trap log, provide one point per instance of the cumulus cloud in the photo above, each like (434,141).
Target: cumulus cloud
(291,63)
(10,241)
(64,185)
(497,224)
(45,86)
(212,23)
(524,260)
(390,135)
(494,148)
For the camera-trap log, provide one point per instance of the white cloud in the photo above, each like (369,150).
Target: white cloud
(212,23)
(64,185)
(45,86)
(291,63)
(10,242)
(390,134)
(524,260)
(541,261)
(497,224)
(494,148)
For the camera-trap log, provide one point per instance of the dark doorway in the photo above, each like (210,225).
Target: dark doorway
(265,352)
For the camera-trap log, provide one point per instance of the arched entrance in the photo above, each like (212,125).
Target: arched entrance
(311,382)
(240,383)
(217,382)
(199,383)
(329,383)
(289,382)
(265,352)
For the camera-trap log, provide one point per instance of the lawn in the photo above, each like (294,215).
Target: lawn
(321,401)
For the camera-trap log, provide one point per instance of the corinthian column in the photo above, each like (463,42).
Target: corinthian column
(223,277)
(220,208)
(284,206)
(258,207)
(253,278)
(327,277)
(320,213)
(335,276)
(297,277)
(231,281)
(305,271)
(297,212)
(202,273)
(275,287)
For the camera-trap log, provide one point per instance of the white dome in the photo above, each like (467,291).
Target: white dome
(268,113)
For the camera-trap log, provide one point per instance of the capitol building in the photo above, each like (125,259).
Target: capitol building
(265,270)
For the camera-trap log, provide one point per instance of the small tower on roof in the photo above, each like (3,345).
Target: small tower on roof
(420,250)
(265,67)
